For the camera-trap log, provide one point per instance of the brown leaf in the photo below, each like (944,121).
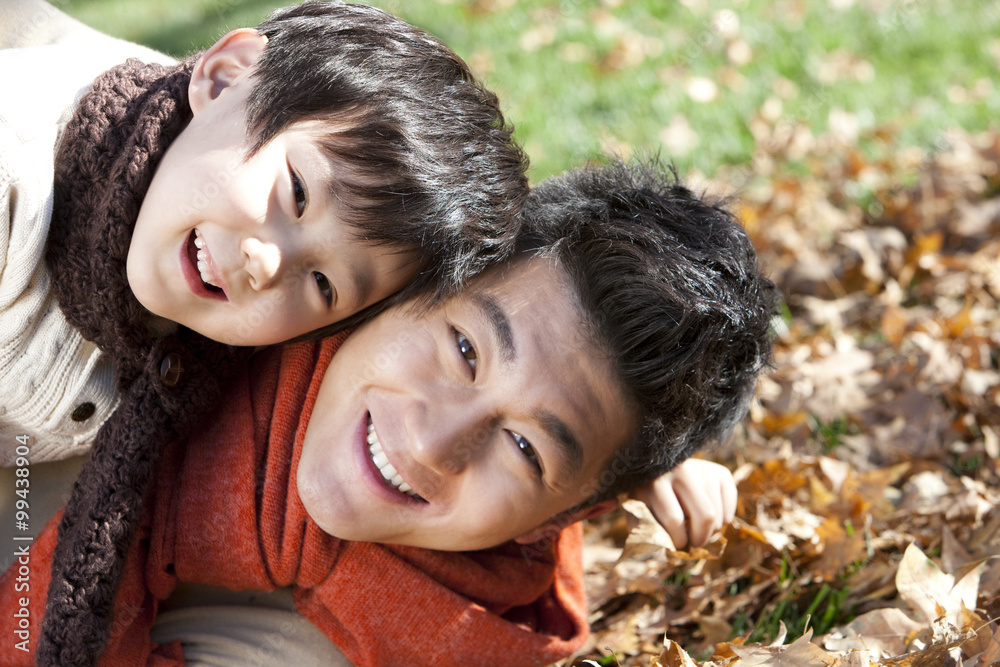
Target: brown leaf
(884,632)
(800,653)
(938,655)
(856,659)
(978,635)
(991,656)
(673,656)
(840,549)
(922,584)
(645,535)
(953,554)
(932,593)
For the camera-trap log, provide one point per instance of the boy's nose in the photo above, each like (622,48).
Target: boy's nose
(263,262)
(446,435)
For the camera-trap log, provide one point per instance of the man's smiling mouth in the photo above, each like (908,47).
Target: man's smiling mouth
(381,461)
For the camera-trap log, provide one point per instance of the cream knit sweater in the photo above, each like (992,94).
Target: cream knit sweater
(55,387)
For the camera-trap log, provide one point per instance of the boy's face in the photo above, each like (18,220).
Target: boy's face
(490,414)
(250,251)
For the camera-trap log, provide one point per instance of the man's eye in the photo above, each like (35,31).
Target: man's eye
(299,192)
(527,450)
(465,349)
(325,288)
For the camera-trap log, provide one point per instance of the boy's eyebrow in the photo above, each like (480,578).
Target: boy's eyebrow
(364,283)
(570,450)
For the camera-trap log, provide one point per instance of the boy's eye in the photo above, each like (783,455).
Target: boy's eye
(527,450)
(299,192)
(465,349)
(325,288)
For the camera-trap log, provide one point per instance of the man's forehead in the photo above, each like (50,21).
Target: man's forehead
(519,282)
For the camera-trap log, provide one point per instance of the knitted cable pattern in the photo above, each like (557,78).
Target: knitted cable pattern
(104,166)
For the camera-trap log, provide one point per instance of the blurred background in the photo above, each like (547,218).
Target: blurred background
(695,80)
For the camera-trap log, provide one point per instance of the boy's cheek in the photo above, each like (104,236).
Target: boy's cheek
(268,309)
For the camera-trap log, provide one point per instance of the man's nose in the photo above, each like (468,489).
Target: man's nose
(446,435)
(263,261)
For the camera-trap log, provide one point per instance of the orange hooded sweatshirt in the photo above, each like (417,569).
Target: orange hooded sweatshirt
(225,512)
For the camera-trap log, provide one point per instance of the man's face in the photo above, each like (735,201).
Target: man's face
(467,425)
(251,251)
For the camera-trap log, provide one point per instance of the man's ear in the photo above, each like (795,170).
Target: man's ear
(552,527)
(225,63)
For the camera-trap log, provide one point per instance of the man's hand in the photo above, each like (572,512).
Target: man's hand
(692,502)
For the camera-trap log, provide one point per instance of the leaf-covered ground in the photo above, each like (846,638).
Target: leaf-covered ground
(868,526)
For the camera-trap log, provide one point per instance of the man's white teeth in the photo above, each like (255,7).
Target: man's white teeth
(382,463)
(203,268)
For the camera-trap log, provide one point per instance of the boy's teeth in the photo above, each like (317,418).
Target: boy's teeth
(203,268)
(381,461)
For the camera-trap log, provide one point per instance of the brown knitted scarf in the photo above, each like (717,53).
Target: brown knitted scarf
(104,166)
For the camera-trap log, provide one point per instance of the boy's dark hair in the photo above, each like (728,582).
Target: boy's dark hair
(423,154)
(671,291)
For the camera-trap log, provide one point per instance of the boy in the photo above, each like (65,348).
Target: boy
(290,177)
(286,179)
(628,332)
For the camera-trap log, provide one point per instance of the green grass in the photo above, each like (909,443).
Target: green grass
(579,77)
(821,609)
(798,606)
(830,435)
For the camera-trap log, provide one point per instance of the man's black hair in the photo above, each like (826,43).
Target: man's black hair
(671,291)
(423,154)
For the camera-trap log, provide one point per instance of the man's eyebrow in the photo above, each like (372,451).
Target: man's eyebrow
(499,323)
(570,449)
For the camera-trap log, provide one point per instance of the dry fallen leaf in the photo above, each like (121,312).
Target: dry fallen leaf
(800,653)
(673,656)
(646,535)
(883,632)
(930,592)
(991,656)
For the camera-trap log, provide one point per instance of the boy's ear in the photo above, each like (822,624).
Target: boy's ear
(554,525)
(226,62)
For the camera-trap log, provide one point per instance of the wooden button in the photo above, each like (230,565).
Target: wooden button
(83,412)
(171,370)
